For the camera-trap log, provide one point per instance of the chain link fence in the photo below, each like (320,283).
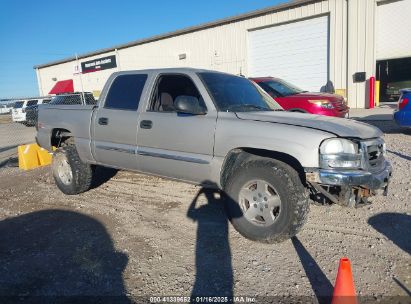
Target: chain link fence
(18,120)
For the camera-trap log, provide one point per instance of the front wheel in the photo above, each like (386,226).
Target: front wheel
(267,201)
(71,175)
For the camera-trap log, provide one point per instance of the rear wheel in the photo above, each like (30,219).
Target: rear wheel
(71,175)
(267,201)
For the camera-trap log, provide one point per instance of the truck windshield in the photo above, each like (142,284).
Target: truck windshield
(18,104)
(237,94)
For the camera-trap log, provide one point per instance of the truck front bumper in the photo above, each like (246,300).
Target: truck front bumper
(371,180)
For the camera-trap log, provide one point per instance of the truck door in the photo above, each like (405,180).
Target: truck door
(115,122)
(174,144)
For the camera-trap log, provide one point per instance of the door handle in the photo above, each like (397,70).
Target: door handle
(103,121)
(146,124)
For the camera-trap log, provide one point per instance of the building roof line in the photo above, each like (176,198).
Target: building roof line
(183,31)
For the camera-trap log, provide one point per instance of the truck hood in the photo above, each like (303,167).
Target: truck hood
(338,126)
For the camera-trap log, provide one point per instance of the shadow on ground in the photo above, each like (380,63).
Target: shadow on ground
(395,226)
(388,126)
(2,149)
(320,284)
(406,157)
(102,175)
(214,271)
(213,258)
(54,253)
(374,117)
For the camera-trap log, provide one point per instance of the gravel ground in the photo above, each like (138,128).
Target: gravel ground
(135,235)
(13,134)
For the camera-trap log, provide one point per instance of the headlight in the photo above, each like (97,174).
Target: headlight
(323,103)
(339,153)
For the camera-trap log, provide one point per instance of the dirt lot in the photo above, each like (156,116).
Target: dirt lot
(145,236)
(5,118)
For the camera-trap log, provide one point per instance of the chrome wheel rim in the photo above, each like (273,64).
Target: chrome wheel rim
(260,202)
(64,171)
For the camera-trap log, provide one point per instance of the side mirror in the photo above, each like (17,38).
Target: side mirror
(188,105)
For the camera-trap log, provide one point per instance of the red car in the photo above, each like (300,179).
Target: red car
(294,99)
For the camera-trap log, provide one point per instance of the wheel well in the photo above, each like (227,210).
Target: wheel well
(59,136)
(239,155)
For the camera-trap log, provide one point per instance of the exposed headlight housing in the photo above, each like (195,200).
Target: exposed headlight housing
(339,153)
(323,103)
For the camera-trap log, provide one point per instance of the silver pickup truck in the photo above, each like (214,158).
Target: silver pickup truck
(220,130)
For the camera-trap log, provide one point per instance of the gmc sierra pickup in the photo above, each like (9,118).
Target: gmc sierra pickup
(221,130)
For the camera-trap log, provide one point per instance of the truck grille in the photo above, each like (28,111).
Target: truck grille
(374,154)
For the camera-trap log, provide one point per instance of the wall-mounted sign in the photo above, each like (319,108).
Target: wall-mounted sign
(76,69)
(99,64)
(359,77)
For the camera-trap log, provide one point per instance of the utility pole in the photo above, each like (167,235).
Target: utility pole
(81,81)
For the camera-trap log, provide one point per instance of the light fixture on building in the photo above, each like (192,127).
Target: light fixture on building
(182,56)
(54,79)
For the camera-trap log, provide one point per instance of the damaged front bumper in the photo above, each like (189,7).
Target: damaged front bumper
(369,180)
(354,186)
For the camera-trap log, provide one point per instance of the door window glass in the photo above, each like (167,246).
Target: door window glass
(168,88)
(125,92)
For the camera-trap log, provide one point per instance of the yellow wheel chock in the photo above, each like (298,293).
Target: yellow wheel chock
(32,156)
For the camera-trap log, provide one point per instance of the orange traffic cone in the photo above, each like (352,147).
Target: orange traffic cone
(344,290)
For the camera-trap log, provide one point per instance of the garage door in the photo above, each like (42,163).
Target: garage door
(393,30)
(296,52)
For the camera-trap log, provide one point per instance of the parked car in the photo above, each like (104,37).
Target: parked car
(32,112)
(5,109)
(74,99)
(393,90)
(217,130)
(293,99)
(403,113)
(19,110)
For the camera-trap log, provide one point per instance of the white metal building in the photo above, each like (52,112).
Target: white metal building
(306,42)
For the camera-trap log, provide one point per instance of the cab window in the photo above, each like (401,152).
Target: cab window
(125,92)
(168,88)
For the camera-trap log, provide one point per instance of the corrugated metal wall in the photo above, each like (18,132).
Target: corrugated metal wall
(361,49)
(224,48)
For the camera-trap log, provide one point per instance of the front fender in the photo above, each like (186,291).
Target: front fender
(301,143)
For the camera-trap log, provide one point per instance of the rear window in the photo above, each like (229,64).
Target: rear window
(18,104)
(73,99)
(90,99)
(65,100)
(125,92)
(31,103)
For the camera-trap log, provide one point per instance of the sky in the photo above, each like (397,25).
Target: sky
(39,31)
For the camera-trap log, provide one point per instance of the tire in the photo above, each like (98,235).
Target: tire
(258,220)
(71,175)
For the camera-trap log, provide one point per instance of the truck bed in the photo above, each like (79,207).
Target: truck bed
(76,118)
